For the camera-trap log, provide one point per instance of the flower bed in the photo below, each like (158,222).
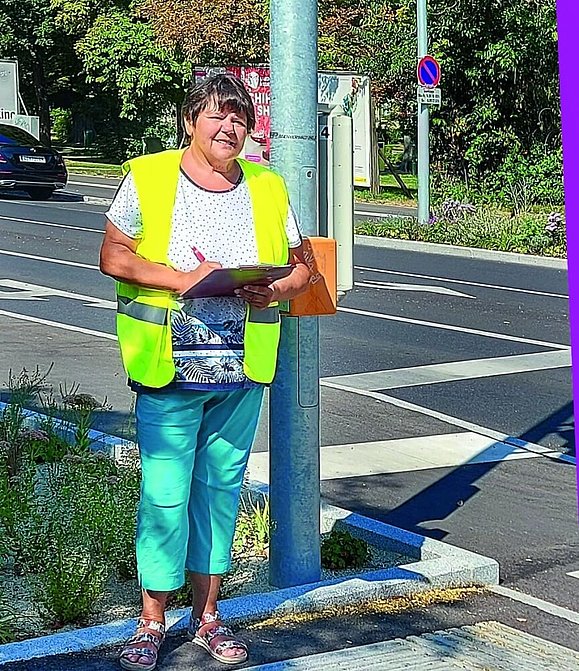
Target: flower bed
(67,524)
(465,225)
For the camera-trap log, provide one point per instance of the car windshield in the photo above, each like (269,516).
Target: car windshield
(15,135)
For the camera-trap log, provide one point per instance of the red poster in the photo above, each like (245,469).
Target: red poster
(256,80)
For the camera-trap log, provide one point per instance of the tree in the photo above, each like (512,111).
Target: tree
(212,34)
(133,77)
(48,65)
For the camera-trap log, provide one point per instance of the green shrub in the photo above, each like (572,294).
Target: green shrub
(341,550)
(61,122)
(67,514)
(8,624)
(521,181)
(485,228)
(80,529)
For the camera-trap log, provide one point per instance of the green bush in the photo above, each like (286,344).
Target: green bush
(67,514)
(522,180)
(8,624)
(485,228)
(61,122)
(341,550)
(79,531)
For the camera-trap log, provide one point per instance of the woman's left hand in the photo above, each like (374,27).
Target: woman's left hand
(257,296)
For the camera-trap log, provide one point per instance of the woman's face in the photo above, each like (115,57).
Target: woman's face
(218,133)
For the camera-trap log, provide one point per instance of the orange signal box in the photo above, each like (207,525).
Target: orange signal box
(321,296)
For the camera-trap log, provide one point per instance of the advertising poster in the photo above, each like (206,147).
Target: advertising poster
(338,92)
(8,89)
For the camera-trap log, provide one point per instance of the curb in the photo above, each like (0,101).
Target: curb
(432,565)
(462,252)
(437,565)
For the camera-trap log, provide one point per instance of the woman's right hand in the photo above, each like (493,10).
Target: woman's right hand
(193,277)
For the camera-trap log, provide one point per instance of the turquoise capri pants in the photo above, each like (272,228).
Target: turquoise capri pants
(194,449)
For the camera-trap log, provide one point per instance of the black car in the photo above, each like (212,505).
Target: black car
(28,165)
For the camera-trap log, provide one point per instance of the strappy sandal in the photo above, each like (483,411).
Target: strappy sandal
(216,638)
(144,644)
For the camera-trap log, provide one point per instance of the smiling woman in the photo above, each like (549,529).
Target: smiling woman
(199,366)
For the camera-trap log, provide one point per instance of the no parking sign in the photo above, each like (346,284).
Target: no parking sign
(428,72)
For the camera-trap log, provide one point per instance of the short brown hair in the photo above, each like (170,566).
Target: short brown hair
(226,90)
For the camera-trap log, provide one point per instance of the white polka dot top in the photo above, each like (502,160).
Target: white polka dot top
(207,332)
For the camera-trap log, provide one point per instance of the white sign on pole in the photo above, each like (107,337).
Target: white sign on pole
(429,96)
(8,89)
(349,93)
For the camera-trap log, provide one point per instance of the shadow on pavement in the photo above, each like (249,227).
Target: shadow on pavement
(58,196)
(444,497)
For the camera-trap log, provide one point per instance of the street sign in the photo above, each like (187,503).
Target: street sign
(428,72)
(429,96)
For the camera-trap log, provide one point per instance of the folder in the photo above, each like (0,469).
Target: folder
(224,281)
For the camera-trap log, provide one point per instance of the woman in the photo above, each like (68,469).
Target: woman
(199,366)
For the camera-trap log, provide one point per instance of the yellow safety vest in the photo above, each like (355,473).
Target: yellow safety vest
(144,315)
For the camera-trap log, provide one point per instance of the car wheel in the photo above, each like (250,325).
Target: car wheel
(40,192)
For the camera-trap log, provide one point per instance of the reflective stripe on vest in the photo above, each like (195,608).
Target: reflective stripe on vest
(143,316)
(145,313)
(267,316)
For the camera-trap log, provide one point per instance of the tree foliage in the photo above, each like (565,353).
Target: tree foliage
(131,59)
(500,75)
(48,67)
(212,34)
(119,52)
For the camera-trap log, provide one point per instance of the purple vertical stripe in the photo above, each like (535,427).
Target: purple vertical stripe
(568,19)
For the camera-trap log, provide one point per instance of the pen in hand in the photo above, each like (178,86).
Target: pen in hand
(198,254)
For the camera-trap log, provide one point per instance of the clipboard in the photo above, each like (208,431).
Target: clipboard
(224,281)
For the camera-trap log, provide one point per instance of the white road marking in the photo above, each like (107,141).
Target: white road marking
(455,370)
(545,606)
(450,327)
(573,574)
(449,419)
(467,282)
(31,292)
(95,186)
(425,288)
(52,224)
(58,325)
(403,455)
(495,436)
(61,262)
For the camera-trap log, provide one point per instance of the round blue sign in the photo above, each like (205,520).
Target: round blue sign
(428,71)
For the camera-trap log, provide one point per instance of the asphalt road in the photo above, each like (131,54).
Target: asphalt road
(446,397)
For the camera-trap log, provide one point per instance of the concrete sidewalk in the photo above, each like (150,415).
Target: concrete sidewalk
(474,631)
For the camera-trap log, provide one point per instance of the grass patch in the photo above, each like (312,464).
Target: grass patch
(91,168)
(411,181)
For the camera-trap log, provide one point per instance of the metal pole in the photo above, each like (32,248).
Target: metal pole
(423,125)
(294,394)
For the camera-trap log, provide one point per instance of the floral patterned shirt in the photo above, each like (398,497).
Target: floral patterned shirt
(207,333)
